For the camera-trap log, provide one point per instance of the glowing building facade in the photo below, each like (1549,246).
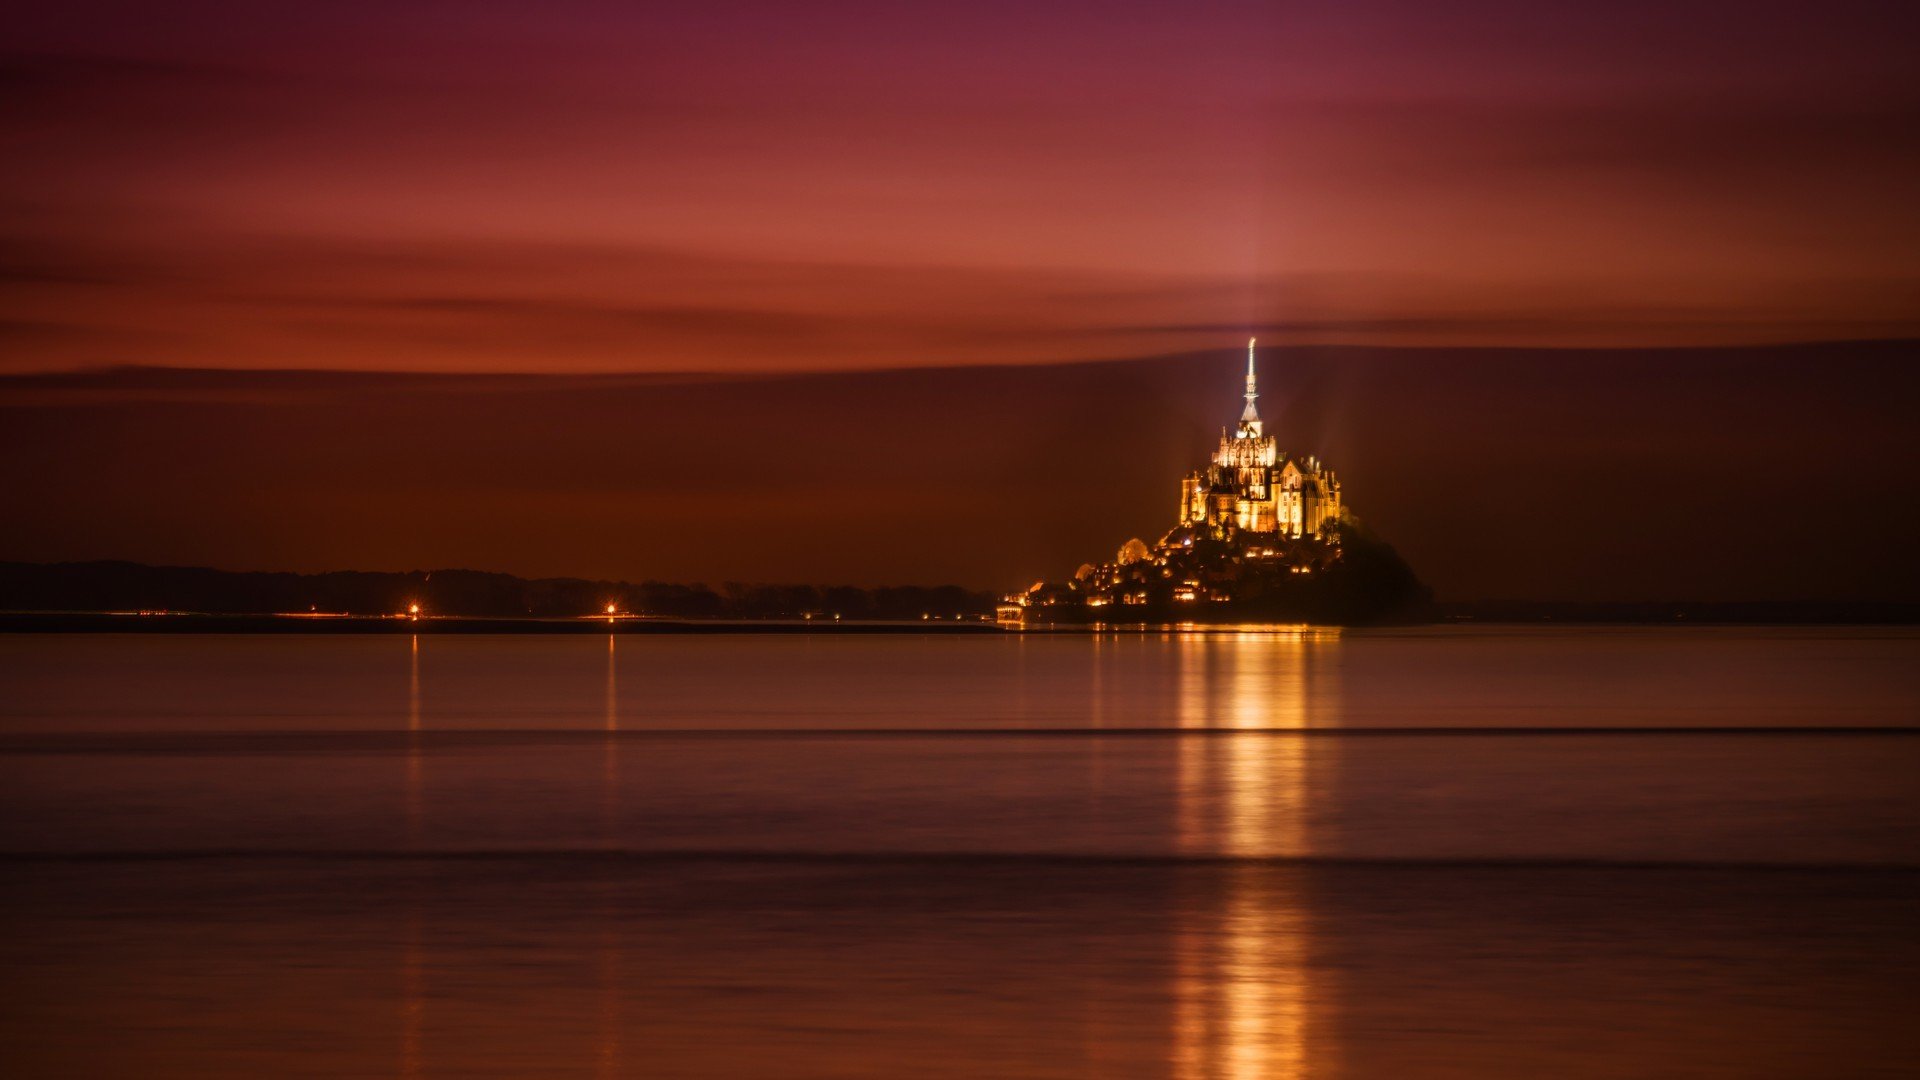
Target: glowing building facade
(1252,486)
(1258,531)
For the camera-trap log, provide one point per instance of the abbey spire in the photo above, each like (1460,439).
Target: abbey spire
(1250,417)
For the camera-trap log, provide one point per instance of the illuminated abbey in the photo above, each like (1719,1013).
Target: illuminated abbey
(1254,487)
(1261,534)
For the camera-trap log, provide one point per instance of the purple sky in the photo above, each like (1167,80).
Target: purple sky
(619,187)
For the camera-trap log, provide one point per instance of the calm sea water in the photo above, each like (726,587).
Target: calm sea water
(1414,853)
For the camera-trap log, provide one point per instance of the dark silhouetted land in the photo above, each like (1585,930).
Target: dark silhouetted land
(122,596)
(127,587)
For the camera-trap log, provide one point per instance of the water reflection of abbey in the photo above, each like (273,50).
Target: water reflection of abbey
(1245,996)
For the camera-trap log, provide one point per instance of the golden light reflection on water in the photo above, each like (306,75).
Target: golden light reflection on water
(413,740)
(608,1055)
(610,766)
(412,957)
(1242,992)
(613,698)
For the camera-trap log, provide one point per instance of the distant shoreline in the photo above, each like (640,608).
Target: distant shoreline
(53,622)
(123,597)
(204,623)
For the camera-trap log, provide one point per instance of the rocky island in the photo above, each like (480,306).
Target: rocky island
(1263,536)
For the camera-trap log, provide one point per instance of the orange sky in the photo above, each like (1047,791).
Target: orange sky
(600,187)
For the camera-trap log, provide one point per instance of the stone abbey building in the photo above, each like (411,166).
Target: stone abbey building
(1261,532)
(1255,488)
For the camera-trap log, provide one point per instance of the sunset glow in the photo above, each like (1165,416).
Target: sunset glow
(759,186)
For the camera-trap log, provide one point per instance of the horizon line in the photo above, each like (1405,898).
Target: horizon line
(775,373)
(1440,603)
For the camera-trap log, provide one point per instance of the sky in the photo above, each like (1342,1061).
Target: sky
(796,207)
(645,187)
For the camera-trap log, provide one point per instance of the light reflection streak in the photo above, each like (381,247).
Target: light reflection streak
(610,824)
(1098,697)
(414,794)
(613,701)
(607,1060)
(412,955)
(1242,990)
(609,1050)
